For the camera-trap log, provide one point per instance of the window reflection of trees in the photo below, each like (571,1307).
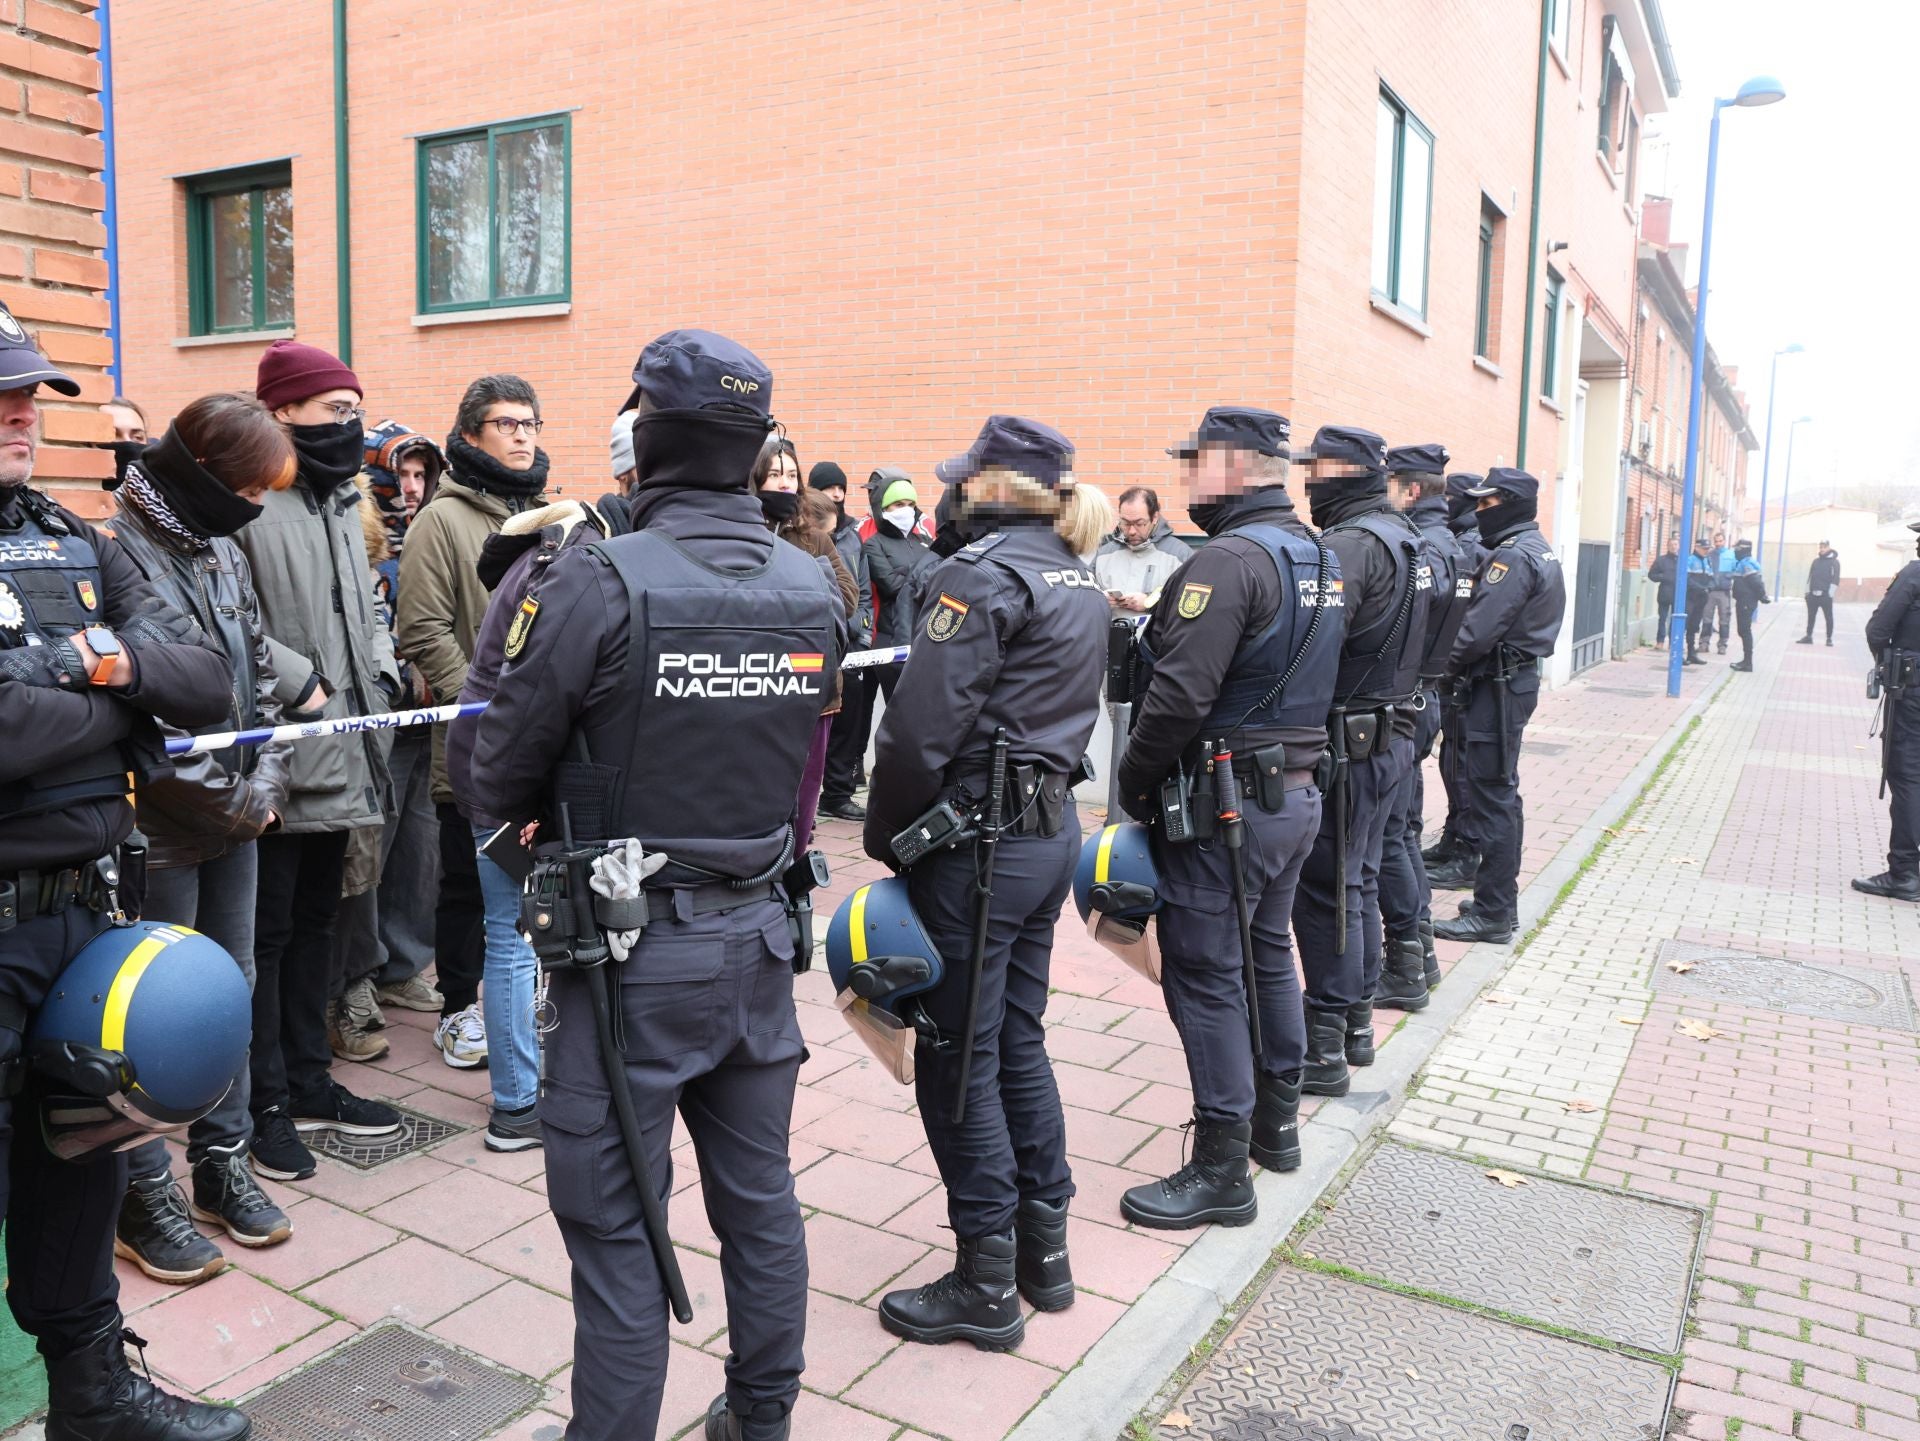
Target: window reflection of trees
(531,190)
(457,222)
(276,221)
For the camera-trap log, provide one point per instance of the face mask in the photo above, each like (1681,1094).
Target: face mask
(901,518)
(330,455)
(779,505)
(1207,514)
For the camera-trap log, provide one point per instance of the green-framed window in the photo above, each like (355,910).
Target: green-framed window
(1550,339)
(240,250)
(1483,308)
(495,222)
(1402,195)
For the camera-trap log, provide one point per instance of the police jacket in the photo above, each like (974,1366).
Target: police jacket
(1896,620)
(1453,583)
(666,684)
(1517,606)
(1387,600)
(1749,586)
(1699,579)
(216,801)
(70,745)
(1013,633)
(1823,576)
(1228,594)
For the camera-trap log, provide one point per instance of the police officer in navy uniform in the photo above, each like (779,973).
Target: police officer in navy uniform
(1409,967)
(1388,586)
(1510,627)
(664,685)
(90,655)
(1011,633)
(1451,859)
(1242,650)
(1893,631)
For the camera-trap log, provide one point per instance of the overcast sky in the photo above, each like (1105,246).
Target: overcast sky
(1815,218)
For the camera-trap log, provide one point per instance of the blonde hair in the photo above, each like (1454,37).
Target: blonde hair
(1081,514)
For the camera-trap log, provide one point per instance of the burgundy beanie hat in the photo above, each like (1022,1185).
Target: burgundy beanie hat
(291,372)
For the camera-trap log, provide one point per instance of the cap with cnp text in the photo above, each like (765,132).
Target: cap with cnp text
(1347,443)
(1428,459)
(698,370)
(22,364)
(1502,480)
(1030,447)
(1238,427)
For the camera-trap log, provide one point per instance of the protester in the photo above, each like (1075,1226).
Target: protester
(895,538)
(1661,575)
(1823,583)
(182,500)
(853,722)
(1134,562)
(129,434)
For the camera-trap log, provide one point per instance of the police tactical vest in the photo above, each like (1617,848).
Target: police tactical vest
(1452,591)
(50,587)
(1382,662)
(726,674)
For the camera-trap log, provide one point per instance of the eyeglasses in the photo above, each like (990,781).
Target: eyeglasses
(345,412)
(508,425)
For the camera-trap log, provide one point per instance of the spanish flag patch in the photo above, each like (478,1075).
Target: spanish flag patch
(807,663)
(522,626)
(943,622)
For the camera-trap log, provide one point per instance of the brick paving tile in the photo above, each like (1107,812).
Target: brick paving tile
(954,1390)
(526,1329)
(413,1281)
(461,1210)
(265,1372)
(204,1333)
(533,1252)
(325,1238)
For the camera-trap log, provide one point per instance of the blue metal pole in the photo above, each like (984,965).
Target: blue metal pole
(1677,639)
(1766,459)
(1786,489)
(108,178)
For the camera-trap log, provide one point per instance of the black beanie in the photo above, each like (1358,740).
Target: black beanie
(825,475)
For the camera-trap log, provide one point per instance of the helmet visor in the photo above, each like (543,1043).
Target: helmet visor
(85,1128)
(886,1035)
(1137,942)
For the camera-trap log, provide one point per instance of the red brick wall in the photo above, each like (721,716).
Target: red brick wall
(51,273)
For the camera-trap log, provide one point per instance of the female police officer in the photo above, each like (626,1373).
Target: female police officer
(1009,635)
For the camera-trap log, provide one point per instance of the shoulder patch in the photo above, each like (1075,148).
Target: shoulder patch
(522,627)
(1497,572)
(1193,600)
(944,620)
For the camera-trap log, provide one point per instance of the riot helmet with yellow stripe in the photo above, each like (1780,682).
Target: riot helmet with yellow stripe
(881,958)
(1116,888)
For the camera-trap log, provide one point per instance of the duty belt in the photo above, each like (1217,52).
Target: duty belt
(1248,775)
(25,895)
(692,901)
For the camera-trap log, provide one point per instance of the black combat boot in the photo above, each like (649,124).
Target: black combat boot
(1892,884)
(976,1301)
(725,1425)
(1360,1034)
(1429,958)
(1041,1267)
(1276,1123)
(1477,925)
(1456,874)
(1215,1186)
(1442,850)
(93,1395)
(1403,977)
(1326,1072)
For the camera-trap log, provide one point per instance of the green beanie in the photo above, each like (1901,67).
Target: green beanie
(899,493)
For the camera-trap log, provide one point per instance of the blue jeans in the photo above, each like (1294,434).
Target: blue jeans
(506,994)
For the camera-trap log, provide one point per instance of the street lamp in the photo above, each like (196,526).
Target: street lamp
(1786,485)
(1761,90)
(1766,455)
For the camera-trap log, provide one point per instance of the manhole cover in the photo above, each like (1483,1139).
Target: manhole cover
(1543,748)
(416,1133)
(393,1384)
(1409,1370)
(1769,983)
(1590,1260)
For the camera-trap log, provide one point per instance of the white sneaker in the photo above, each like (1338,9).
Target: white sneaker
(462,1039)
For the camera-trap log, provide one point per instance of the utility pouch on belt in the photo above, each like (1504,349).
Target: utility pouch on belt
(1270,777)
(1362,734)
(1040,800)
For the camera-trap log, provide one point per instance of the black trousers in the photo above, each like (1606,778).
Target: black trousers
(1013,1144)
(1499,814)
(1341,977)
(711,1031)
(1405,900)
(294,915)
(1903,782)
(847,740)
(1201,962)
(1453,772)
(459,916)
(59,1216)
(1820,605)
(1743,621)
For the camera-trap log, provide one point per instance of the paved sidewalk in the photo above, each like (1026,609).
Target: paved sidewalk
(1712,1017)
(458,1241)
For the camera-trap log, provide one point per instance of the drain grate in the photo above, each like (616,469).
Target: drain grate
(393,1384)
(1338,1361)
(416,1133)
(1768,983)
(1587,1259)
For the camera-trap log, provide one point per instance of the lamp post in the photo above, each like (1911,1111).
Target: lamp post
(1766,454)
(1761,90)
(1786,485)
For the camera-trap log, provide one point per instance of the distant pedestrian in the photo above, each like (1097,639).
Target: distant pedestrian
(1661,575)
(1749,594)
(1134,562)
(1894,633)
(1823,583)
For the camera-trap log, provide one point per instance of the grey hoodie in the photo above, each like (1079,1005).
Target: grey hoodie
(1140,570)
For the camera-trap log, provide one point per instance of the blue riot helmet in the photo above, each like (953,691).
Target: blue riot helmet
(1117,890)
(139,1036)
(882,960)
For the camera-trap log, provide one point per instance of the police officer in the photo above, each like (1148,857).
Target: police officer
(1388,586)
(1511,625)
(1894,633)
(1011,633)
(1451,859)
(90,655)
(1242,652)
(664,685)
(1698,598)
(1749,594)
(1409,967)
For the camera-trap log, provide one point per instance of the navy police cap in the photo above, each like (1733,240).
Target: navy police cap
(22,364)
(1462,482)
(1239,427)
(698,370)
(1428,459)
(1030,447)
(1347,443)
(1504,481)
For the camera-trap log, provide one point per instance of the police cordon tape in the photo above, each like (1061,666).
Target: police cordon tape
(402,719)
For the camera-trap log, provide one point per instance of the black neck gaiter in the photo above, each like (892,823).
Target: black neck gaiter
(779,506)
(474,468)
(330,455)
(1330,502)
(681,450)
(1497,522)
(205,505)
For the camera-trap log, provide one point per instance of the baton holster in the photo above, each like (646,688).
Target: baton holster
(1338,793)
(806,875)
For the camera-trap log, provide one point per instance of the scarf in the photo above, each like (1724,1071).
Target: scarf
(172,489)
(779,506)
(330,455)
(473,467)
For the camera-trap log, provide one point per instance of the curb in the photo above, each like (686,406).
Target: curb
(1128,1366)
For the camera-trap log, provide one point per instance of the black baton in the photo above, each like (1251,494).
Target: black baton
(1502,711)
(1337,737)
(1227,787)
(984,849)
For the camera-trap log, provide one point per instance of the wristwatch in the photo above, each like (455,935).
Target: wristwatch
(106,646)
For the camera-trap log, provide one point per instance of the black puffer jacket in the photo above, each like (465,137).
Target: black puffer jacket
(893,560)
(214,802)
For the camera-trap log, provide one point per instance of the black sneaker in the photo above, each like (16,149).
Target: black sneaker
(338,1110)
(514,1130)
(277,1150)
(155,1233)
(844,810)
(225,1194)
